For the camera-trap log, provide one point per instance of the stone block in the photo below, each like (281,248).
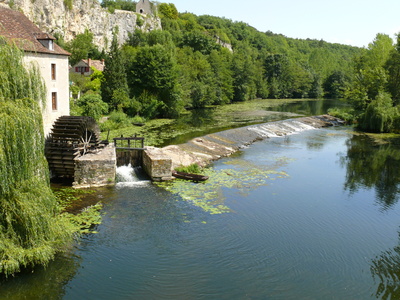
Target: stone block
(157,165)
(96,169)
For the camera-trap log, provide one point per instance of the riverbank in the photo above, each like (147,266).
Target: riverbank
(203,150)
(200,122)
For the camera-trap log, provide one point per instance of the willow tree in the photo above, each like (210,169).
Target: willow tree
(31,227)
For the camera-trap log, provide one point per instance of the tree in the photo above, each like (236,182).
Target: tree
(31,228)
(168,10)
(81,46)
(277,73)
(114,74)
(393,68)
(380,115)
(220,62)
(92,106)
(379,51)
(336,84)
(154,71)
(200,41)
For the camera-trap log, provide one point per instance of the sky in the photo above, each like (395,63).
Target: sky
(350,22)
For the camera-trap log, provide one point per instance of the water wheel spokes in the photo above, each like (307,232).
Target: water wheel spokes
(86,143)
(70,137)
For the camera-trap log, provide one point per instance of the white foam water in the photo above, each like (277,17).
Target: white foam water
(280,128)
(126,176)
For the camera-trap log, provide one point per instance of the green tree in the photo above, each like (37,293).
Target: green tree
(200,41)
(31,228)
(154,71)
(168,10)
(380,115)
(392,66)
(277,73)
(221,62)
(92,106)
(114,73)
(80,46)
(336,84)
(379,51)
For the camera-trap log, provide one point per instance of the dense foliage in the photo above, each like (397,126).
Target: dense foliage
(198,61)
(31,228)
(112,5)
(375,88)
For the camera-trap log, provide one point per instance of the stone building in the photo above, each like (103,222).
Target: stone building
(144,7)
(52,61)
(84,67)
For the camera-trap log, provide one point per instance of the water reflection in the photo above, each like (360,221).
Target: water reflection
(309,108)
(42,282)
(386,269)
(371,164)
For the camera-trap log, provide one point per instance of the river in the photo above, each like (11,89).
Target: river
(314,215)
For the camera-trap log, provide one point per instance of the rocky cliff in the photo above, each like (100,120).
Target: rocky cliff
(54,16)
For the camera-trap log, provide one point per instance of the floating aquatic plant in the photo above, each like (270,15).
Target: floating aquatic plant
(210,195)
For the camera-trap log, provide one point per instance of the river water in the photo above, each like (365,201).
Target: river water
(314,215)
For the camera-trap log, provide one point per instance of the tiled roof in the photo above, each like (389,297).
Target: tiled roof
(18,28)
(98,64)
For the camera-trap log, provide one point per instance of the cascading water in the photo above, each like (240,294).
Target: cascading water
(130,176)
(280,128)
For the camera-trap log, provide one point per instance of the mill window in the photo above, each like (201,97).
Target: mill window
(53,71)
(54,100)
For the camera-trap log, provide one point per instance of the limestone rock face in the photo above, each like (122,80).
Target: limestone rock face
(53,16)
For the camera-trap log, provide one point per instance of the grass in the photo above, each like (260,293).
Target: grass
(193,169)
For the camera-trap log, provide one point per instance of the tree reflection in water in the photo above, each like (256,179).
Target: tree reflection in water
(373,164)
(386,269)
(42,282)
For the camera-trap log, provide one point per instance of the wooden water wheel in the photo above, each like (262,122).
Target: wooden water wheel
(70,137)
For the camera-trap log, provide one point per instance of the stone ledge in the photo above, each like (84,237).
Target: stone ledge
(96,169)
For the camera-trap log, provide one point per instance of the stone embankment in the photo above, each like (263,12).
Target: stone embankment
(204,150)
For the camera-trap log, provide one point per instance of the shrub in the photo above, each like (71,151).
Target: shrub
(68,4)
(343,114)
(92,106)
(139,21)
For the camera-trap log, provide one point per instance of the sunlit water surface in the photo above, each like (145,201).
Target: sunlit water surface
(322,224)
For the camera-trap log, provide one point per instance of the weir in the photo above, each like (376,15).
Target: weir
(158,163)
(204,150)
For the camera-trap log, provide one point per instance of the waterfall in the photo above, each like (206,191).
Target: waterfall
(280,128)
(130,176)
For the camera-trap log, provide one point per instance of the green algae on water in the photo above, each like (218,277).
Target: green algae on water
(210,195)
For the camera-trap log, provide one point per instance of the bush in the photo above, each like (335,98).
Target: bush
(343,114)
(119,117)
(116,120)
(92,106)
(139,21)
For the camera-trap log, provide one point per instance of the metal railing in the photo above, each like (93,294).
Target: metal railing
(129,143)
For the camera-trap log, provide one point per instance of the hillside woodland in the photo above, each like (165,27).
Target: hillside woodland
(199,61)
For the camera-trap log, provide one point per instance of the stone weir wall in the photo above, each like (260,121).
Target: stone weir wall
(211,147)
